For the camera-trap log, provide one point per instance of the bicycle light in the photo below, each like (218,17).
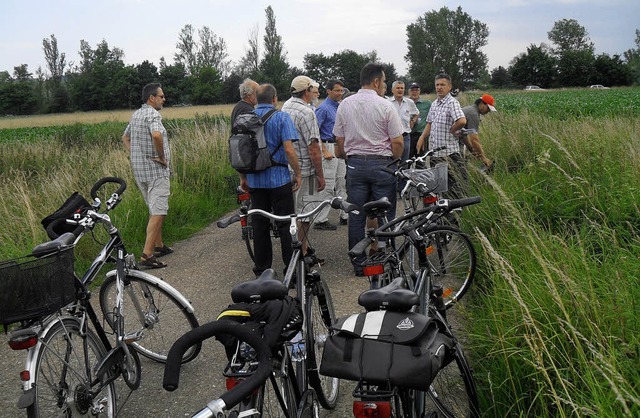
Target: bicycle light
(373,270)
(366,409)
(23,339)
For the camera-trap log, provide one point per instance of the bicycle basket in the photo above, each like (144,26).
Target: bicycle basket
(434,178)
(31,287)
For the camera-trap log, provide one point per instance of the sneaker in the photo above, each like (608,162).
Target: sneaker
(343,221)
(325,226)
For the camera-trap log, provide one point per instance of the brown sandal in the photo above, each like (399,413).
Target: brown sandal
(150,262)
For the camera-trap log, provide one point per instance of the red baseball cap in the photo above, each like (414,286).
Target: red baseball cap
(489,101)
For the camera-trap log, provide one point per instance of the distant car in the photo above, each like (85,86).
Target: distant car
(598,86)
(533,88)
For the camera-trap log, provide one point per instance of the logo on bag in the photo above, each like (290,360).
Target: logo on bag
(405,324)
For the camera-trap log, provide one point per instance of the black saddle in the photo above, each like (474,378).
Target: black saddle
(63,241)
(377,208)
(263,288)
(392,297)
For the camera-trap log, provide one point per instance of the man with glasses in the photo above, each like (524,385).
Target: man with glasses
(145,138)
(368,134)
(334,168)
(444,120)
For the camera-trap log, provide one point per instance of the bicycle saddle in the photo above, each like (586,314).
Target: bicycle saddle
(45,248)
(392,297)
(377,207)
(263,288)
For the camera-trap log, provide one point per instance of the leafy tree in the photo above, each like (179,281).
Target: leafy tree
(344,65)
(568,35)
(575,68)
(17,94)
(536,66)
(250,64)
(611,71)
(450,41)
(632,57)
(274,67)
(174,83)
(500,78)
(55,59)
(207,87)
(213,52)
(230,92)
(187,54)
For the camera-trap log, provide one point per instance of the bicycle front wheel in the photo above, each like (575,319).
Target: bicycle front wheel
(453,391)
(452,261)
(153,317)
(319,317)
(64,375)
(277,397)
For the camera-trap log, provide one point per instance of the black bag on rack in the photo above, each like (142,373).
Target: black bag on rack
(74,204)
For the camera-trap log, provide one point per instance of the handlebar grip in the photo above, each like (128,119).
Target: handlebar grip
(223,223)
(422,188)
(459,203)
(105,180)
(234,396)
(360,247)
(339,203)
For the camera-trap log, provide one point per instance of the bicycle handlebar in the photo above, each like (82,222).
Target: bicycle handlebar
(336,203)
(230,398)
(105,180)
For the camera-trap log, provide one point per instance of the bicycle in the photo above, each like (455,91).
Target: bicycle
(451,257)
(261,364)
(69,366)
(448,391)
(315,299)
(244,200)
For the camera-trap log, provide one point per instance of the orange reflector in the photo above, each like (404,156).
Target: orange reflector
(244,196)
(428,200)
(430,250)
(363,409)
(25,375)
(373,270)
(23,343)
(446,293)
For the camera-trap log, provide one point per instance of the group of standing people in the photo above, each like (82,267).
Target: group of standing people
(317,148)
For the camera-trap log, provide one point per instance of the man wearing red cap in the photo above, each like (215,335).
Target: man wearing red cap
(473,113)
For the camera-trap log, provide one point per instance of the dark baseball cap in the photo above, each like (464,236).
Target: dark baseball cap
(414,86)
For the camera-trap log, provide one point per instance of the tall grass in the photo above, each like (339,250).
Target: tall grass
(556,321)
(38,174)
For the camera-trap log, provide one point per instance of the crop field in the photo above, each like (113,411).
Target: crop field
(552,319)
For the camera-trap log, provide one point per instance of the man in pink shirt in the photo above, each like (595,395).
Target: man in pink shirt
(368,134)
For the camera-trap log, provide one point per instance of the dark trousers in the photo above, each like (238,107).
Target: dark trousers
(458,177)
(280,202)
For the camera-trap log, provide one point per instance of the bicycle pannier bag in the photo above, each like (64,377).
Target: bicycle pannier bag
(248,151)
(404,349)
(74,204)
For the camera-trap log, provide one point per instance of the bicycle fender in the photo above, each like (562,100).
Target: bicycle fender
(158,282)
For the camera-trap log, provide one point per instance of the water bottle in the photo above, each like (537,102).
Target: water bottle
(298,350)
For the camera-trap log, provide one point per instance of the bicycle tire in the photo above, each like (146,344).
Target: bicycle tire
(159,333)
(269,405)
(61,386)
(452,261)
(453,391)
(319,317)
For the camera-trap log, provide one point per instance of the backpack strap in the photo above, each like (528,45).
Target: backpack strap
(264,119)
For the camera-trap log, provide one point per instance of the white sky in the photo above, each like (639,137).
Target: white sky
(149,29)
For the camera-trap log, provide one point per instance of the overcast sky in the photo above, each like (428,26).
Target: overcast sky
(149,29)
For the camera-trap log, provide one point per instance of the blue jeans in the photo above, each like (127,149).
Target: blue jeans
(366,182)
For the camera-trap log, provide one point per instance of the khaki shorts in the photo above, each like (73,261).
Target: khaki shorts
(307,196)
(156,195)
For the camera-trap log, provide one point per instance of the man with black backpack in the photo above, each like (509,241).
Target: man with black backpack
(272,189)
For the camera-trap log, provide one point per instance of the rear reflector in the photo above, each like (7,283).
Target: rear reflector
(23,343)
(363,409)
(373,270)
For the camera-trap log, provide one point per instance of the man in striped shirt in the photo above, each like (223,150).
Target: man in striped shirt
(368,134)
(445,118)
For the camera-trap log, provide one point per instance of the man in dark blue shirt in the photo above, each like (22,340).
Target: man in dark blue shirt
(334,168)
(272,189)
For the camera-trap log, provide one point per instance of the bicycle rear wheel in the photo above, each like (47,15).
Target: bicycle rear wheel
(452,260)
(64,374)
(453,391)
(152,312)
(279,385)
(319,317)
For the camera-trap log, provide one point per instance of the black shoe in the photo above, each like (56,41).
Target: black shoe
(325,226)
(343,221)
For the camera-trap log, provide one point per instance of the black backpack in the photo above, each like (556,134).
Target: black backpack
(248,151)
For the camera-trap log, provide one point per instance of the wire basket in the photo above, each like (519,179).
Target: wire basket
(34,287)
(434,178)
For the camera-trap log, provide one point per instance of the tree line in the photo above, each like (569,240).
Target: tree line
(201,73)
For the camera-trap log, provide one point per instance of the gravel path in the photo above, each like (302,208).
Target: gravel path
(204,268)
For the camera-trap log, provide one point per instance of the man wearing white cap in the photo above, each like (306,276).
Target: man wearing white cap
(473,113)
(308,150)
